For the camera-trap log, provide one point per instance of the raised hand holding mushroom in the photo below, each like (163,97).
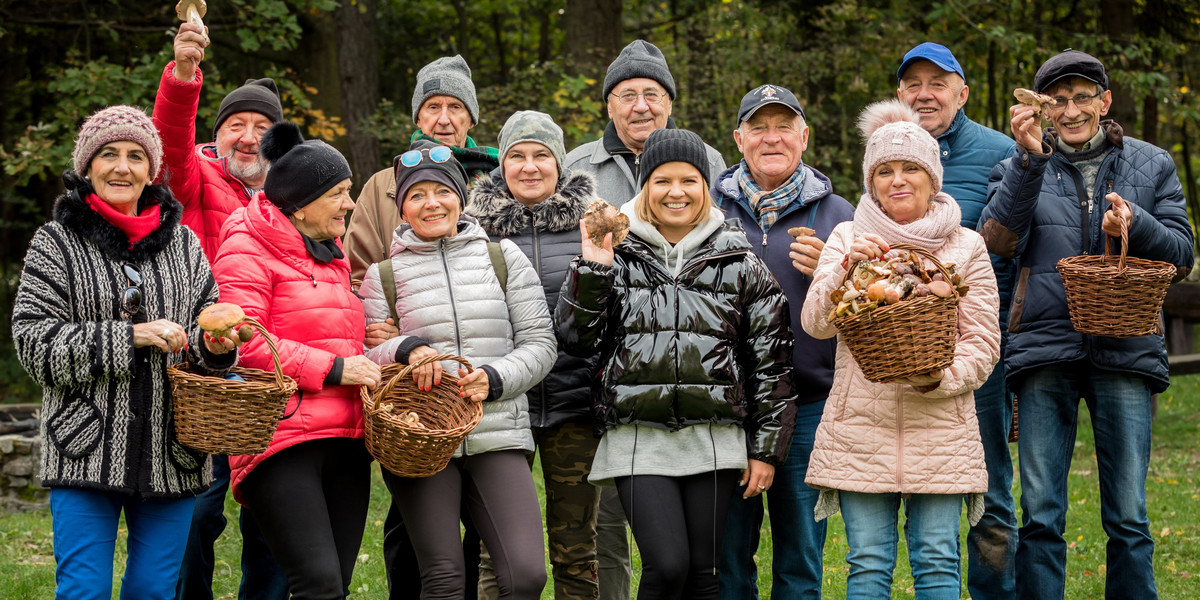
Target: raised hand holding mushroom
(193,11)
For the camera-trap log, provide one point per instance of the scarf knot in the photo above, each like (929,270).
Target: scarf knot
(767,205)
(929,232)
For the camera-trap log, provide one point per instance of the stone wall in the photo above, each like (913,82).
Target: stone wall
(20,453)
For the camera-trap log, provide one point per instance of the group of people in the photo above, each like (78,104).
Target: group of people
(668,381)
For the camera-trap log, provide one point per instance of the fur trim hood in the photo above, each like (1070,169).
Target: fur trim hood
(72,211)
(501,215)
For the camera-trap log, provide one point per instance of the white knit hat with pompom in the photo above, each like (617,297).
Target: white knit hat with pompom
(892,132)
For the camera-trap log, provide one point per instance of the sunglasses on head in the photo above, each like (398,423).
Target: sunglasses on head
(131,299)
(412,158)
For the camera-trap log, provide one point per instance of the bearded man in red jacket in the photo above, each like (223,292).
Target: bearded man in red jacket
(212,180)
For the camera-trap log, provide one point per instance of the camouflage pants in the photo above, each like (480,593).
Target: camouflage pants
(571,502)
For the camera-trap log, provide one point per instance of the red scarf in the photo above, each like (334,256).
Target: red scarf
(136,227)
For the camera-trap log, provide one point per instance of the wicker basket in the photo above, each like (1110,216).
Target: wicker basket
(1115,296)
(410,450)
(226,416)
(912,337)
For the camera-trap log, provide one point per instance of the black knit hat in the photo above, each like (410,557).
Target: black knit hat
(301,171)
(256,95)
(671,145)
(639,59)
(426,168)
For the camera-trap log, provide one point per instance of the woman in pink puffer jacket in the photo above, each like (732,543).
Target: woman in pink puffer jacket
(914,440)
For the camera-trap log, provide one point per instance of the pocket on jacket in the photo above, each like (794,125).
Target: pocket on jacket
(186,460)
(1018,301)
(75,427)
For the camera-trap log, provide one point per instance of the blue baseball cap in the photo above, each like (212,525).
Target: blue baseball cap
(934,53)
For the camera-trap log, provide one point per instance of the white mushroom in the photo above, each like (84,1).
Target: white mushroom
(193,11)
(1033,99)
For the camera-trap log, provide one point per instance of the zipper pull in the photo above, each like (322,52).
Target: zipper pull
(313,278)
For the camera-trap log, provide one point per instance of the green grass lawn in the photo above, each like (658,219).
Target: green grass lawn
(27,569)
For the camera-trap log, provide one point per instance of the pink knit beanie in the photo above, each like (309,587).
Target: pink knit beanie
(892,132)
(117,124)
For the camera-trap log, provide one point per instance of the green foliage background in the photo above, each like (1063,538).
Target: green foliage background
(62,60)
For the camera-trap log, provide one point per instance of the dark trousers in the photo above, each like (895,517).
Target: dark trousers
(678,524)
(311,502)
(498,491)
(262,579)
(400,559)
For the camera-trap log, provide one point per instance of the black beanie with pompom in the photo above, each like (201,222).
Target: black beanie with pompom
(301,170)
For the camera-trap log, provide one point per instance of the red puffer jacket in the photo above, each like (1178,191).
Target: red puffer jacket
(198,177)
(310,310)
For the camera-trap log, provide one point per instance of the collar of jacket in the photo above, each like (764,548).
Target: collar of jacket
(404,238)
(500,214)
(73,212)
(960,117)
(728,239)
(276,232)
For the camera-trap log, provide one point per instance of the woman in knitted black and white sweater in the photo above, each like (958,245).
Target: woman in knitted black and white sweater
(108,300)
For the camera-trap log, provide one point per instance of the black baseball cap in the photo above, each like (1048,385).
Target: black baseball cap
(1070,63)
(767,94)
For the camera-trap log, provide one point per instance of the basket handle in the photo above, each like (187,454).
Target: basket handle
(923,253)
(407,371)
(1124,246)
(251,321)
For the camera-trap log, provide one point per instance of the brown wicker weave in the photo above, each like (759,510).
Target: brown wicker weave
(912,337)
(226,416)
(408,450)
(1115,296)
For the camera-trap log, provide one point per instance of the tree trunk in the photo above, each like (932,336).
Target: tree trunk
(359,70)
(498,41)
(1116,22)
(593,36)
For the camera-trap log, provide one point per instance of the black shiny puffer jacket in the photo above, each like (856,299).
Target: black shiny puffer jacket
(713,345)
(548,233)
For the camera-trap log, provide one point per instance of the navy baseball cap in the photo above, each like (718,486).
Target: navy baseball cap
(934,53)
(1070,63)
(764,95)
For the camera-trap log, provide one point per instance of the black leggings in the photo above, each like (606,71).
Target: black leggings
(678,523)
(497,488)
(310,500)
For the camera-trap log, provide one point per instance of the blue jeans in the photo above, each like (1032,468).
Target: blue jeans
(992,542)
(1119,404)
(85,525)
(798,540)
(930,529)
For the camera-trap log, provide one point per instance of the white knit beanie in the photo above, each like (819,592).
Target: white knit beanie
(892,132)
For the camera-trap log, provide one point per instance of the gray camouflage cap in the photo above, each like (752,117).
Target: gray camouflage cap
(533,126)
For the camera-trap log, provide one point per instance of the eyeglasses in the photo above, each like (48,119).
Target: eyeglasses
(131,300)
(631,97)
(1080,100)
(438,154)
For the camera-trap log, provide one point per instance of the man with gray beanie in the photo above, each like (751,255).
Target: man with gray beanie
(211,181)
(638,91)
(1064,190)
(444,109)
(932,82)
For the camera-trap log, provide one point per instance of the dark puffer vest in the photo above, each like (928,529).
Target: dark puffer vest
(548,233)
(712,345)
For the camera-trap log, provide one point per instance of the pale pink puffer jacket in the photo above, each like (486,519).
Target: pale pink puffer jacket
(880,438)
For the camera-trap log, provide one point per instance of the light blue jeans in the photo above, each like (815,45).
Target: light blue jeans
(85,535)
(930,529)
(1119,404)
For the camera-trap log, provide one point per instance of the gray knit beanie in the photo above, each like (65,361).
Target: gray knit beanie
(533,126)
(639,59)
(117,124)
(892,132)
(671,145)
(446,76)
